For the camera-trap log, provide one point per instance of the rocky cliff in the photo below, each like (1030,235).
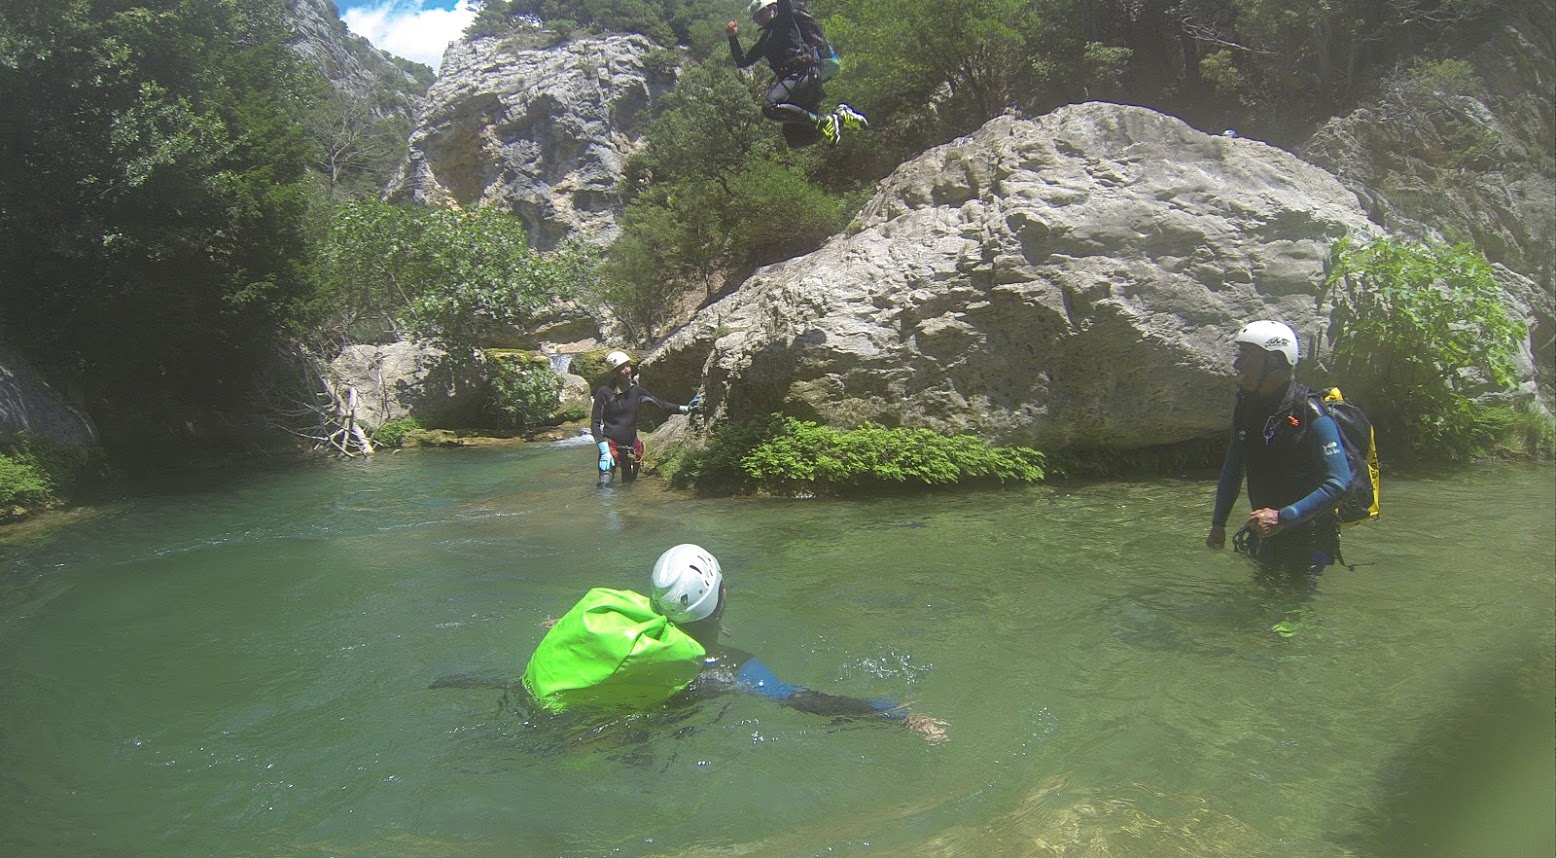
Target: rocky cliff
(352,65)
(1465,150)
(541,133)
(1065,282)
(28,404)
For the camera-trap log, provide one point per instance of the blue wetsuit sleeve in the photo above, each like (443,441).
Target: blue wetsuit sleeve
(1231,481)
(1323,435)
(757,678)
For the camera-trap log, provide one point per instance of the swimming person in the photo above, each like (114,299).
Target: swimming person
(619,649)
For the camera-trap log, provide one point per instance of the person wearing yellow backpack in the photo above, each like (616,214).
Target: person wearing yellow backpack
(621,650)
(1290,450)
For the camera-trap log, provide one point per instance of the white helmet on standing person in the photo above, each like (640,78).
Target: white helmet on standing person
(686,583)
(757,6)
(1271,337)
(616,359)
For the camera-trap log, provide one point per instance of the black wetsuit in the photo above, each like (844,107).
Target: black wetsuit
(615,419)
(796,90)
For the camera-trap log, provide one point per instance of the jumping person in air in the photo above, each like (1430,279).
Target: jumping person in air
(796,91)
(614,420)
(1291,451)
(617,649)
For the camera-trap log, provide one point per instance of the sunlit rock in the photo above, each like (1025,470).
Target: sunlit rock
(542,132)
(1070,281)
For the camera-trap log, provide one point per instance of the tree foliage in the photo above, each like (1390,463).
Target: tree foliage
(152,220)
(1422,330)
(447,276)
(358,148)
(709,195)
(665,21)
(525,394)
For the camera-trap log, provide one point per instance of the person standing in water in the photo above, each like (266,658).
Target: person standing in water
(1289,447)
(618,648)
(614,419)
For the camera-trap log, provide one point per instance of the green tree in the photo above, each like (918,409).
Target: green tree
(525,393)
(954,62)
(357,148)
(710,195)
(444,275)
(152,219)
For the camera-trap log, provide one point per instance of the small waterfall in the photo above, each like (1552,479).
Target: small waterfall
(560,363)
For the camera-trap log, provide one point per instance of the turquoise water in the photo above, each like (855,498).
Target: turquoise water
(243,668)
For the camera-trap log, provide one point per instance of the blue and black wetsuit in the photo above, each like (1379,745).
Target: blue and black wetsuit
(1290,449)
(732,670)
(796,90)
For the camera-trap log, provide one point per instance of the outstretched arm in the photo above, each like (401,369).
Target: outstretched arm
(671,407)
(754,677)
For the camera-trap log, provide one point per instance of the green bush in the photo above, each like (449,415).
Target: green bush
(525,394)
(789,456)
(392,433)
(1417,331)
(23,483)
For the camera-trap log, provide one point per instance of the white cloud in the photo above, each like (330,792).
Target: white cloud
(406,28)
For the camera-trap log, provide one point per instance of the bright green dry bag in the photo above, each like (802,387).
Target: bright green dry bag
(612,650)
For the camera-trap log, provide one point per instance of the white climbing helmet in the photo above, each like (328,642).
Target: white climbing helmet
(757,6)
(686,583)
(1271,337)
(614,360)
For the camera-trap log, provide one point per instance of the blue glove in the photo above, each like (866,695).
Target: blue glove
(695,404)
(606,460)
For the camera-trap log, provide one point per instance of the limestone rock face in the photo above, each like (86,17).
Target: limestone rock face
(351,64)
(1468,160)
(1067,282)
(541,133)
(396,380)
(28,404)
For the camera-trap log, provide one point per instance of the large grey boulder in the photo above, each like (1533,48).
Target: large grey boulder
(540,132)
(396,380)
(1065,282)
(28,404)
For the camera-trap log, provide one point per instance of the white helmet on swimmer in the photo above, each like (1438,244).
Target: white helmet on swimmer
(614,360)
(1271,337)
(686,583)
(757,6)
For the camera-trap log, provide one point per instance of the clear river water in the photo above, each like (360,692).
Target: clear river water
(246,666)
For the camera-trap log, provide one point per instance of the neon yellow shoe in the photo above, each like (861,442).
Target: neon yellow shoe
(831,128)
(851,117)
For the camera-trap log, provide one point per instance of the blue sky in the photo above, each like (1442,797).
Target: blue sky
(415,29)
